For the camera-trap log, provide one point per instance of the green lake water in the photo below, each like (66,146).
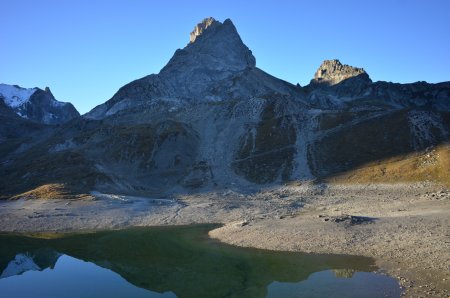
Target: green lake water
(176,262)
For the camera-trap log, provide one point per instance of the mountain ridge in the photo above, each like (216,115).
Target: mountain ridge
(37,105)
(211,119)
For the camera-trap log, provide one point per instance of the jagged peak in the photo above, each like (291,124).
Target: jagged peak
(332,72)
(211,30)
(201,27)
(215,46)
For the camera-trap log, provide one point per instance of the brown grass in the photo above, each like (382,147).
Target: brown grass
(429,165)
(51,191)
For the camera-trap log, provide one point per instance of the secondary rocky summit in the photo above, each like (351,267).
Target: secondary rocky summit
(211,119)
(333,72)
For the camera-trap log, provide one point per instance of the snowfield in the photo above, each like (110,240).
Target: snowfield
(14,96)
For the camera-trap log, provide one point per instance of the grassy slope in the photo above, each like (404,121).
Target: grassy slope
(430,165)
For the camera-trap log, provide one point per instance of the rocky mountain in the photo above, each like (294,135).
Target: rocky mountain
(333,72)
(211,119)
(341,86)
(28,117)
(202,72)
(37,105)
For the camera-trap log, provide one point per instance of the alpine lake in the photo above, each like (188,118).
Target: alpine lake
(179,261)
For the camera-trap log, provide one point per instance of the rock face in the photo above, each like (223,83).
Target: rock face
(200,27)
(217,55)
(332,72)
(211,119)
(37,105)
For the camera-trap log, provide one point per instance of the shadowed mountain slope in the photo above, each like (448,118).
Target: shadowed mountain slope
(211,119)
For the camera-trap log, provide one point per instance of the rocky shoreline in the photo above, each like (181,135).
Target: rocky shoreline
(404,227)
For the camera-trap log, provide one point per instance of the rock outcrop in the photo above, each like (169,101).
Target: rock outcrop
(346,87)
(333,72)
(201,27)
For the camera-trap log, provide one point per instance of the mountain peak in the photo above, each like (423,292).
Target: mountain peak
(47,90)
(201,27)
(332,72)
(15,96)
(36,104)
(214,46)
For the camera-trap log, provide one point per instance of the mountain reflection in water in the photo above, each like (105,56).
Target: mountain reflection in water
(175,261)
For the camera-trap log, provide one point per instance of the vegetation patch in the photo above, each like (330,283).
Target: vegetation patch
(432,164)
(267,150)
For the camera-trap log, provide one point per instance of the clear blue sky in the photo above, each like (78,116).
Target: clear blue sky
(85,50)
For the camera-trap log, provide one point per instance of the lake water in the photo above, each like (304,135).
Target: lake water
(176,262)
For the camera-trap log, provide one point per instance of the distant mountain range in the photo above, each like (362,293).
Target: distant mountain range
(211,119)
(36,105)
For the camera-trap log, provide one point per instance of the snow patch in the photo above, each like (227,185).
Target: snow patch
(68,144)
(15,96)
(49,117)
(22,115)
(58,104)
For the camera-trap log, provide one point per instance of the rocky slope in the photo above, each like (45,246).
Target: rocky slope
(211,119)
(37,105)
(28,117)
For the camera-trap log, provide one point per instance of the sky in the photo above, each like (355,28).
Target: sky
(85,50)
